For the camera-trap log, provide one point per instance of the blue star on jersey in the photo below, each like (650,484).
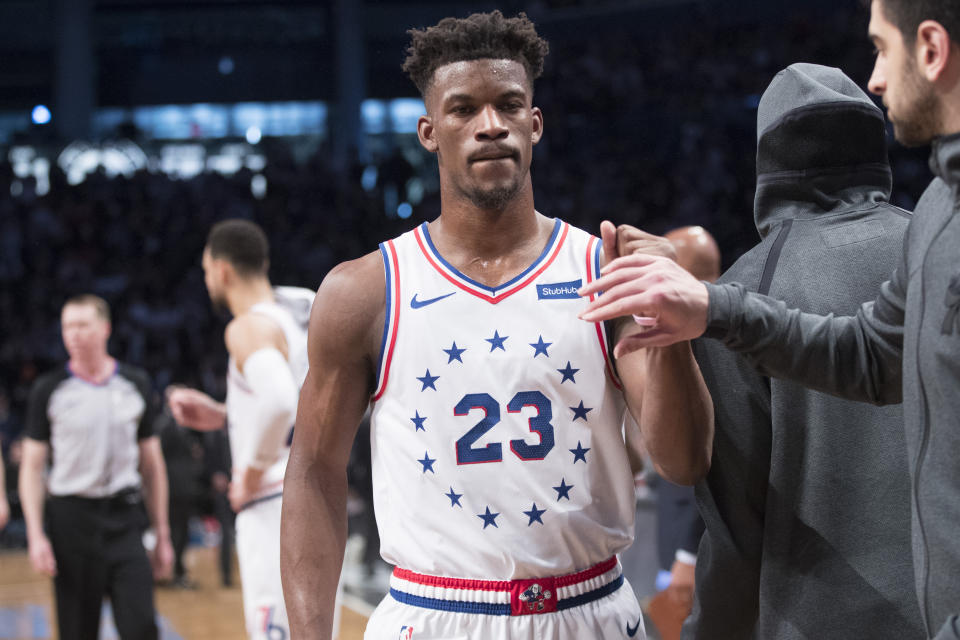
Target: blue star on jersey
(534,514)
(580,453)
(428,381)
(454,353)
(563,491)
(454,498)
(580,412)
(540,347)
(417,421)
(496,342)
(568,373)
(489,518)
(427,462)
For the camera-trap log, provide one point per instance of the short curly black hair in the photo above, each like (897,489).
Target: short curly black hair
(478,36)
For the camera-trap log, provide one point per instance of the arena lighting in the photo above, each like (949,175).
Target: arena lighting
(40,114)
(253,134)
(79,159)
(404,210)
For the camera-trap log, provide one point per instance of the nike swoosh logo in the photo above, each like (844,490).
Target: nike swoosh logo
(416,304)
(632,631)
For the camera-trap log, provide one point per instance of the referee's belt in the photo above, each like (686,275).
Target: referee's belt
(531,596)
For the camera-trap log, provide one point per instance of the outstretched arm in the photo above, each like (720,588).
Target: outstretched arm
(856,357)
(663,386)
(346,319)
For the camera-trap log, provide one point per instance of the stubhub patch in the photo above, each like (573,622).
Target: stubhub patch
(559,290)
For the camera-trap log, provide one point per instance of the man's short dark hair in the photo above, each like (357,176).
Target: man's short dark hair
(241,243)
(906,15)
(89,300)
(476,37)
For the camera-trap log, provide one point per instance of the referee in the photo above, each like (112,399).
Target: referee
(93,419)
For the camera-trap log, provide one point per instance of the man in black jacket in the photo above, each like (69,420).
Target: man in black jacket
(804,484)
(901,347)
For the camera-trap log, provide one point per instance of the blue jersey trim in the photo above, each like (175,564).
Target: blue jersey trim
(493,290)
(388,315)
(451,605)
(596,264)
(590,596)
(500,609)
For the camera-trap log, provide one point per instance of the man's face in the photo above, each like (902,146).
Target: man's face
(85,332)
(212,277)
(482,126)
(912,105)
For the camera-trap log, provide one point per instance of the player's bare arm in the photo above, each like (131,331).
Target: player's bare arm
(155,489)
(346,326)
(32,495)
(195,409)
(259,349)
(663,386)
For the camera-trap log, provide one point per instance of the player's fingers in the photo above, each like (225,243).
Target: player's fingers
(607,282)
(627,305)
(632,260)
(627,283)
(608,234)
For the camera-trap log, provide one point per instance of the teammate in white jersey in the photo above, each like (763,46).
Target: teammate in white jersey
(501,483)
(267,343)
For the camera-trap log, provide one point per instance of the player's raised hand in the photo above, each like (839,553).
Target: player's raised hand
(650,287)
(195,409)
(625,240)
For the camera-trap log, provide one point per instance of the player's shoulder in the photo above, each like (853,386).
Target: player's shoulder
(357,284)
(250,331)
(351,300)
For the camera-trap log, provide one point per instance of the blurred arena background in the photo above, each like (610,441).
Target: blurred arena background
(128,127)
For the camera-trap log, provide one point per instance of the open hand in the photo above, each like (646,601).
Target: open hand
(671,301)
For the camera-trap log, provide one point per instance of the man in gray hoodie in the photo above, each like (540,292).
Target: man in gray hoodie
(789,494)
(905,345)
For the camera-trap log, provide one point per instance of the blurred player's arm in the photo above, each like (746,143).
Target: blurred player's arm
(663,386)
(32,495)
(346,325)
(259,350)
(195,409)
(153,471)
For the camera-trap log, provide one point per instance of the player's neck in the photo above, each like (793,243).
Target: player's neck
(96,368)
(488,234)
(246,293)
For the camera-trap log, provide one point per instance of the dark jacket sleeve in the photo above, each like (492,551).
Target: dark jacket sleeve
(856,357)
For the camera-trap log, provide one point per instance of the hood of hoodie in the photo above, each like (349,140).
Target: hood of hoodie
(821,146)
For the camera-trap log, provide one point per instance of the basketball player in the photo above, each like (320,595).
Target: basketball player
(900,347)
(267,343)
(92,419)
(502,487)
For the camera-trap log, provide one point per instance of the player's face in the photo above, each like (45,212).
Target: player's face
(912,105)
(482,125)
(85,332)
(212,278)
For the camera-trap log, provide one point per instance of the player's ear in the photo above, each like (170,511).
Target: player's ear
(425,133)
(537,132)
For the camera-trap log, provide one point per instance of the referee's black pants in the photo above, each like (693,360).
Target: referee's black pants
(97,543)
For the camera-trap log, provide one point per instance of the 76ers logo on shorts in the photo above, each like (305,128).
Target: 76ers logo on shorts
(406,633)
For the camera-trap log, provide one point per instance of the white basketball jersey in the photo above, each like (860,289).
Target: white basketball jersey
(291,311)
(497,423)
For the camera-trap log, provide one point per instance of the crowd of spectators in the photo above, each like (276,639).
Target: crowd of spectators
(651,124)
